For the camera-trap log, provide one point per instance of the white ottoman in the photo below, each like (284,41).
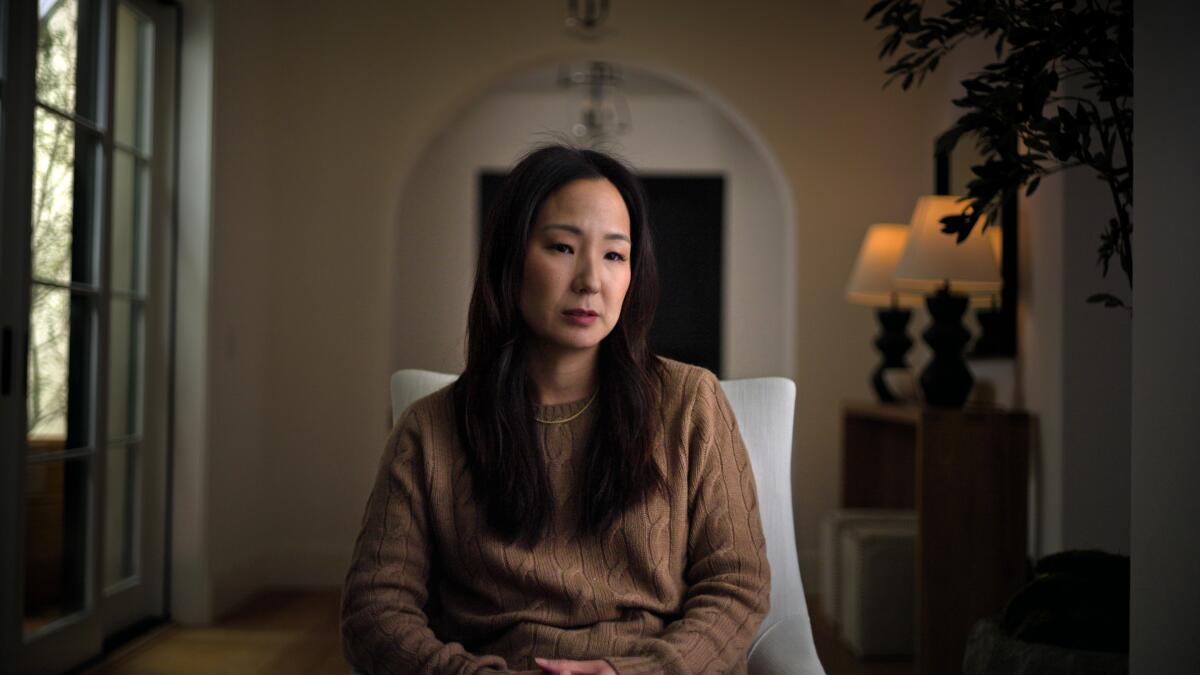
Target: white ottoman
(877,590)
(830,550)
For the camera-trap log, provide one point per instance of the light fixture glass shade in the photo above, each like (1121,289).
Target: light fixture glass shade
(597,109)
(933,258)
(871,279)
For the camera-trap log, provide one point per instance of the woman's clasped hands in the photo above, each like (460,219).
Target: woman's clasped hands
(569,667)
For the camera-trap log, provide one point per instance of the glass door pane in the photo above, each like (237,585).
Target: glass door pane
(60,624)
(53,196)
(124,370)
(123,486)
(59,371)
(139,252)
(129,190)
(60,394)
(57,57)
(133,71)
(127,254)
(56,541)
(121,553)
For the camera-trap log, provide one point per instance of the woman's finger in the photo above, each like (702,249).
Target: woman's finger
(560,666)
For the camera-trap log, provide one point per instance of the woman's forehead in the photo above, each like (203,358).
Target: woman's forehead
(585,204)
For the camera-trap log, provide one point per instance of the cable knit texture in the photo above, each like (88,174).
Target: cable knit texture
(679,586)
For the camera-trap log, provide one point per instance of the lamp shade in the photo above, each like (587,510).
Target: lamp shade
(933,258)
(871,279)
(995,237)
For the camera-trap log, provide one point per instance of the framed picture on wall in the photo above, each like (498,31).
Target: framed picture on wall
(998,320)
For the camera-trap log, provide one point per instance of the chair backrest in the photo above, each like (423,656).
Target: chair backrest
(410,385)
(764,408)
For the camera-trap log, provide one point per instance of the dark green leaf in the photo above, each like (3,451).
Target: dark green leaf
(1108,299)
(948,140)
(876,8)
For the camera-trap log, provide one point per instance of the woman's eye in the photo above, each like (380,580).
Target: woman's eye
(613,255)
(561,248)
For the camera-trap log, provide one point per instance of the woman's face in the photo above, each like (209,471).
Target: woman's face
(577,266)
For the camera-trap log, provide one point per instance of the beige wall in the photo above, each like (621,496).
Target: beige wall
(240,325)
(320,114)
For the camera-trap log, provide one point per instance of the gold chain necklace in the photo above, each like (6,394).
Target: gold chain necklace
(568,419)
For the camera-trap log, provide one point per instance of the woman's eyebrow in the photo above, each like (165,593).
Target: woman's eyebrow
(569,228)
(579,233)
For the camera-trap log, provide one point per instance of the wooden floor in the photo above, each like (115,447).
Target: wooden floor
(296,633)
(275,633)
(837,658)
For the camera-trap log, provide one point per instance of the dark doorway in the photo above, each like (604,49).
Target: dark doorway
(687,222)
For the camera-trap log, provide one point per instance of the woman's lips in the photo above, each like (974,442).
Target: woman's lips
(580,317)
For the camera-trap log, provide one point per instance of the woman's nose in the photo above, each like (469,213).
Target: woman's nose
(586,280)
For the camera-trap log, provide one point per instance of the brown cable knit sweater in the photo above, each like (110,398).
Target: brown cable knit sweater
(680,586)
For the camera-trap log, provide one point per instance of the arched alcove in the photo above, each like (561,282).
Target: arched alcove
(677,129)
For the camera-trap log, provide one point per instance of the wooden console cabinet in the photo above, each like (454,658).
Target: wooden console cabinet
(966,474)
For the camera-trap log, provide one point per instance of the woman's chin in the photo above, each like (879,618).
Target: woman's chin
(571,343)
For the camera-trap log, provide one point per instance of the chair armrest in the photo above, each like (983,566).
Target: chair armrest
(786,649)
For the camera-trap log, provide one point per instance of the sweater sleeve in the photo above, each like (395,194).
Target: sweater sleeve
(728,575)
(384,626)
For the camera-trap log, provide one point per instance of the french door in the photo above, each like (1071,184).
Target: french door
(87,121)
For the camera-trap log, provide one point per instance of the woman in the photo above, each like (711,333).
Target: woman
(572,503)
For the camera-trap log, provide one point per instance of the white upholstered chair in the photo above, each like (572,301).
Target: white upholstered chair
(763,406)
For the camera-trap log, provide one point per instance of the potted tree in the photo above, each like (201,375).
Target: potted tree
(1026,124)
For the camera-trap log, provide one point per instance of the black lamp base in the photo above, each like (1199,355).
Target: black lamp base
(991,340)
(893,342)
(946,380)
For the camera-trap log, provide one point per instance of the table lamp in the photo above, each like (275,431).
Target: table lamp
(871,284)
(948,273)
(990,341)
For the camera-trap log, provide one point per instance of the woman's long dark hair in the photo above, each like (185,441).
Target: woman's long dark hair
(492,398)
